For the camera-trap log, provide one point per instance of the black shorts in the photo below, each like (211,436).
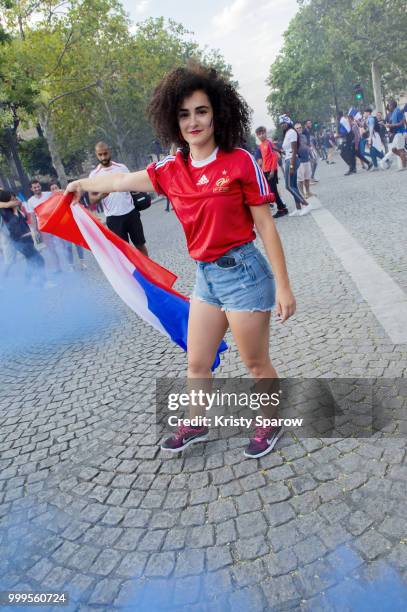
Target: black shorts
(127,226)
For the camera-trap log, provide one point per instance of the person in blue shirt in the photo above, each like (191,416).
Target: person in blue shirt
(397,128)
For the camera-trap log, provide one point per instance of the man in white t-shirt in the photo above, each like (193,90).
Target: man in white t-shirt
(49,240)
(291,165)
(121,216)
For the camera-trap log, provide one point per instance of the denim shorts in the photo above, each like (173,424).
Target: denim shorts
(240,280)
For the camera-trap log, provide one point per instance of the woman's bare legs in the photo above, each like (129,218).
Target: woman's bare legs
(207,325)
(251,332)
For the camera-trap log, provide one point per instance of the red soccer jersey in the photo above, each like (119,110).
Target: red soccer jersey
(213,201)
(269,156)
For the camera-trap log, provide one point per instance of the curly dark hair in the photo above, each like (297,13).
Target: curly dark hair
(231,112)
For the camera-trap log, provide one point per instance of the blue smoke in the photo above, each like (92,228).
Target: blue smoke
(370,587)
(74,308)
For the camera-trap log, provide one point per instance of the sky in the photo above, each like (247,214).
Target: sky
(248,34)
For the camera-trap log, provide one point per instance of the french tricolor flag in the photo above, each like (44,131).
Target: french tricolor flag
(145,286)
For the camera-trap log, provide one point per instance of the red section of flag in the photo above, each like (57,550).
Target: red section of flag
(55,217)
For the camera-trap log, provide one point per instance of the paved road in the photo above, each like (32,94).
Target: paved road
(89,505)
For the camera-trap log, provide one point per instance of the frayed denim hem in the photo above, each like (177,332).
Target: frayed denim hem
(225,309)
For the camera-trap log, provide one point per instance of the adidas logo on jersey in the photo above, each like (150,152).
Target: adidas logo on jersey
(203,180)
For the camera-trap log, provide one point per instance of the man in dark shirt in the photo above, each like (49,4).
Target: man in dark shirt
(304,170)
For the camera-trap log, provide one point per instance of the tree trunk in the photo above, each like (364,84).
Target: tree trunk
(6,183)
(377,88)
(122,150)
(119,141)
(49,136)
(335,95)
(14,156)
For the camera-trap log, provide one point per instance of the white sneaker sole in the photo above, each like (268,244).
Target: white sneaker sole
(268,449)
(179,450)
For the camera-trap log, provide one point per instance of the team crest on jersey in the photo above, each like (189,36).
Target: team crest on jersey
(222,184)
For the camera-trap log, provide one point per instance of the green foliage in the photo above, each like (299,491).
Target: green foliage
(329,46)
(35,157)
(86,78)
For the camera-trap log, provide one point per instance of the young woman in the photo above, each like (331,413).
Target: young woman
(290,147)
(20,235)
(218,193)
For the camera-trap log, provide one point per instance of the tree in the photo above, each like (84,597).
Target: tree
(332,44)
(53,54)
(87,78)
(373,36)
(35,156)
(305,79)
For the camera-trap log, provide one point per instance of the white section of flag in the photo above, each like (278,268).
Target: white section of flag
(116,267)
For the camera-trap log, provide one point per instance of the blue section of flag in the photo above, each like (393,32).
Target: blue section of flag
(172,312)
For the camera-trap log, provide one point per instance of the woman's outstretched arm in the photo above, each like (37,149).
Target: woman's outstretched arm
(107,183)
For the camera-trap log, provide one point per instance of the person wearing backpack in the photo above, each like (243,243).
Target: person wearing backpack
(122,216)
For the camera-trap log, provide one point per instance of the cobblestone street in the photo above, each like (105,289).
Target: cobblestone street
(90,506)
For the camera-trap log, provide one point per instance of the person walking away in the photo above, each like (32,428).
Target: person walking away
(329,141)
(356,140)
(121,216)
(269,159)
(304,169)
(311,141)
(291,164)
(313,159)
(321,145)
(347,147)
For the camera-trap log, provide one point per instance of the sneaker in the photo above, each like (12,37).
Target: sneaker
(311,195)
(370,166)
(402,169)
(263,441)
(304,211)
(183,437)
(350,172)
(294,213)
(313,181)
(280,213)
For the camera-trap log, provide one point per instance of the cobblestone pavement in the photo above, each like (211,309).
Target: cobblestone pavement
(88,504)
